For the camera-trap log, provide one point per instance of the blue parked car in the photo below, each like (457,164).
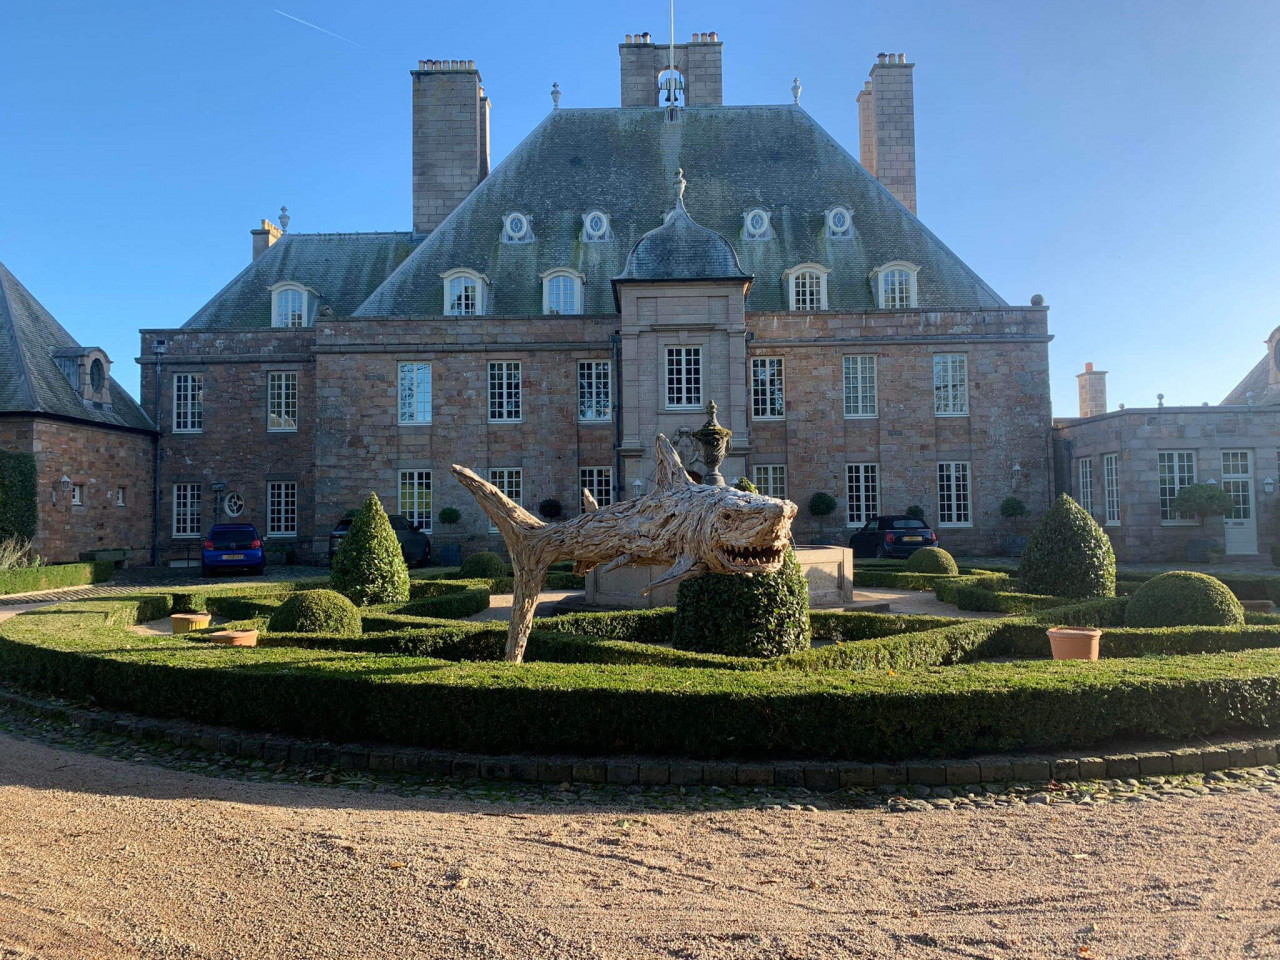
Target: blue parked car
(233,546)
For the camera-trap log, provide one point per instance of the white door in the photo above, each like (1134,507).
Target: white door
(1241,523)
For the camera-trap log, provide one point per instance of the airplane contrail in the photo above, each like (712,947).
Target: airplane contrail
(321,29)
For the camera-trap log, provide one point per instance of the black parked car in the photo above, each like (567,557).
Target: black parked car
(892,537)
(414,544)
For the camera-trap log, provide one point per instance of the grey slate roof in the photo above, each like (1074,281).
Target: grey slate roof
(1255,382)
(31,380)
(343,268)
(623,161)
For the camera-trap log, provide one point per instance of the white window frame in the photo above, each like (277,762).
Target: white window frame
(599,482)
(304,293)
(879,282)
(186,521)
(765,233)
(593,375)
(188,415)
(861,492)
(1179,468)
(282,508)
(861,375)
(1237,481)
(510,233)
(416,507)
(1084,471)
(507,479)
(278,396)
(768,388)
(120,496)
(590,236)
(955,493)
(413,379)
(950,393)
(1111,488)
(462,274)
(576,281)
(829,217)
(686,359)
(770,479)
(506,403)
(77,494)
(791,276)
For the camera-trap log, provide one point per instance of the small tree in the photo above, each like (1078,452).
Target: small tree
(551,508)
(369,567)
(1203,500)
(746,486)
(1011,508)
(822,504)
(915,512)
(1068,555)
(449,515)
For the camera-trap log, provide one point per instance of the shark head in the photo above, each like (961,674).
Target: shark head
(749,532)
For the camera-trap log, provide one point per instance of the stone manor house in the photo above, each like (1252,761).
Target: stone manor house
(543,320)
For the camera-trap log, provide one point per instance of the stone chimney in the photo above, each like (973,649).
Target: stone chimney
(700,63)
(1093,391)
(450,138)
(264,236)
(887,126)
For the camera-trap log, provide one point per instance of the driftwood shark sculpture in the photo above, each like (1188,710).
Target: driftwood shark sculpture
(695,528)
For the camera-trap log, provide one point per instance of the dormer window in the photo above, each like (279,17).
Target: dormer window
(807,287)
(290,305)
(97,375)
(562,291)
(465,293)
(595,227)
(88,370)
(839,222)
(755,224)
(516,228)
(894,285)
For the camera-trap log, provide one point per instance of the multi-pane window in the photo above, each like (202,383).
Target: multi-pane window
(808,290)
(1111,487)
(770,479)
(561,291)
(953,493)
(463,296)
(895,290)
(509,480)
(767,401)
(1236,481)
(188,402)
(282,508)
(1085,468)
(415,498)
(415,392)
(290,308)
(186,509)
(120,496)
(282,401)
(950,384)
(595,390)
(504,390)
(860,386)
(862,492)
(77,494)
(684,376)
(597,481)
(1177,469)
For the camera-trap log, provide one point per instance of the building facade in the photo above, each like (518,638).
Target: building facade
(543,320)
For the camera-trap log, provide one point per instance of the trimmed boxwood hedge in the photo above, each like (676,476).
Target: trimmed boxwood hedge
(17,496)
(54,576)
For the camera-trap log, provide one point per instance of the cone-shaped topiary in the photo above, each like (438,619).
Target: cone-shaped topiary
(765,615)
(484,565)
(932,560)
(369,567)
(1182,598)
(1068,555)
(316,611)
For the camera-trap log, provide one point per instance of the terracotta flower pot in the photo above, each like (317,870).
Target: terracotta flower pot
(234,638)
(1074,643)
(186,622)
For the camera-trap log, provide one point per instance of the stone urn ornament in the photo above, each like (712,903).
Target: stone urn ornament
(715,446)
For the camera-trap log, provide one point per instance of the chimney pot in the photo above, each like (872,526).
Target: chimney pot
(715,37)
(882,57)
(706,37)
(1088,368)
(695,37)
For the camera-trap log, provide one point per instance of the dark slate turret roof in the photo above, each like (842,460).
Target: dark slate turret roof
(31,380)
(342,268)
(623,160)
(1256,382)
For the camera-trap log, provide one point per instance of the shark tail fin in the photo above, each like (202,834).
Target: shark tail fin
(589,504)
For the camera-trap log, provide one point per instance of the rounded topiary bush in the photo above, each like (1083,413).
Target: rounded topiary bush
(932,560)
(369,567)
(745,485)
(822,504)
(316,611)
(484,565)
(1182,598)
(1068,555)
(765,615)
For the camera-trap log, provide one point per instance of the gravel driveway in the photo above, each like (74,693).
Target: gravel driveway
(101,859)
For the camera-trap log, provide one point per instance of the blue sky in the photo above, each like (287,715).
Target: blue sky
(1121,158)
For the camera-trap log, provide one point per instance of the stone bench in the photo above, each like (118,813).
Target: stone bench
(181,623)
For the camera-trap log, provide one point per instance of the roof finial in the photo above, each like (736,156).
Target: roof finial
(681,183)
(555,96)
(284,219)
(795,89)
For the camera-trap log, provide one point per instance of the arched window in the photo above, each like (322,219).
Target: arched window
(562,292)
(895,285)
(465,293)
(289,305)
(807,286)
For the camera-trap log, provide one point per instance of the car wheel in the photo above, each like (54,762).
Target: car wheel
(880,554)
(260,569)
(425,559)
(205,571)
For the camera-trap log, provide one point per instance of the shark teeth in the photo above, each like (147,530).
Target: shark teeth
(754,556)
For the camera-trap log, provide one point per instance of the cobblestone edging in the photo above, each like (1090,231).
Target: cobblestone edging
(644,771)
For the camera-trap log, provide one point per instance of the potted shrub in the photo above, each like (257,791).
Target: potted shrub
(1074,643)
(1202,501)
(1011,508)
(551,508)
(821,505)
(915,512)
(449,515)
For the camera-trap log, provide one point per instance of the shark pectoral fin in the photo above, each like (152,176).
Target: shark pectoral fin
(589,504)
(686,566)
(616,562)
(583,567)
